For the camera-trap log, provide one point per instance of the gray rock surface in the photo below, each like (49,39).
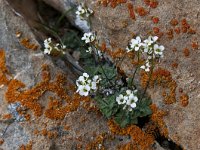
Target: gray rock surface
(115,26)
(79,127)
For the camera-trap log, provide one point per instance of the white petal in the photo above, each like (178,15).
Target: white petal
(133,105)
(85,75)
(155,38)
(128,92)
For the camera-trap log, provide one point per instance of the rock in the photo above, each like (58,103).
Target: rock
(179,29)
(38,107)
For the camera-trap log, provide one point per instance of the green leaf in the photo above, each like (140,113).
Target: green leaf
(107,106)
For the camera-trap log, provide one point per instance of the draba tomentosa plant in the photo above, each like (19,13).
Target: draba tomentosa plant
(116,98)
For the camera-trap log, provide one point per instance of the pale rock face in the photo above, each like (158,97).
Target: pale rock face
(115,26)
(25,65)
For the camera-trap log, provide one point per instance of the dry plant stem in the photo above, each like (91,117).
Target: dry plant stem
(138,55)
(121,60)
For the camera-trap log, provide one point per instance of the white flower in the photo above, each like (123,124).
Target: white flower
(49,46)
(158,50)
(86,85)
(150,40)
(96,79)
(88,37)
(133,97)
(83,90)
(133,105)
(47,50)
(146,66)
(135,44)
(89,50)
(120,99)
(94,85)
(128,92)
(83,12)
(129,100)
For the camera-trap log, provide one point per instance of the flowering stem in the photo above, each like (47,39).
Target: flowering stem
(138,57)
(150,76)
(96,47)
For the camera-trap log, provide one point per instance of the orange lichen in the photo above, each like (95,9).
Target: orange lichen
(55,109)
(3,69)
(156,30)
(185,26)
(151,3)
(143,140)
(174,49)
(119,53)
(18,34)
(155,20)
(192,31)
(184,99)
(157,118)
(177,30)
(98,142)
(141,11)
(128,146)
(174,65)
(186,52)
(1,141)
(195,45)
(26,147)
(163,78)
(7,116)
(26,43)
(44,132)
(103,47)
(131,11)
(52,134)
(170,33)
(113,3)
(29,98)
(174,22)
(36,132)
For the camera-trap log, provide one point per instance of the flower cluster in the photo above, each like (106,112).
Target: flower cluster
(83,12)
(129,100)
(89,37)
(85,84)
(49,47)
(148,48)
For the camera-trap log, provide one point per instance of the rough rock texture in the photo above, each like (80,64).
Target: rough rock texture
(115,27)
(24,65)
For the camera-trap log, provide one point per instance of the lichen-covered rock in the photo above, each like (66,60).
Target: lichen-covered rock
(177,24)
(38,109)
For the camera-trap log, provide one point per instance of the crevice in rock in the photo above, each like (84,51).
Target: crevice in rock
(63,27)
(168,144)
